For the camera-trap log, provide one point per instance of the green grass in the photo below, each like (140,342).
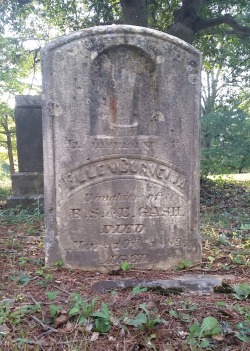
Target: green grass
(5,190)
(243,177)
(21,215)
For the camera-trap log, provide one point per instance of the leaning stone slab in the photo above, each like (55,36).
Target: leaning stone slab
(194,283)
(121,149)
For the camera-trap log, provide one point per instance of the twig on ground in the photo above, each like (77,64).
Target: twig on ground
(58,287)
(32,298)
(45,327)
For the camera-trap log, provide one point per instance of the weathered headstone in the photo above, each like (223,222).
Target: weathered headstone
(27,184)
(121,143)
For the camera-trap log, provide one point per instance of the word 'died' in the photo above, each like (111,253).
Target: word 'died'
(122,228)
(101,169)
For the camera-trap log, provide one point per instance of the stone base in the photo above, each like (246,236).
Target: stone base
(26,201)
(27,189)
(27,183)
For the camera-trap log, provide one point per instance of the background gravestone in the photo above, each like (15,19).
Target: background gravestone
(121,144)
(27,184)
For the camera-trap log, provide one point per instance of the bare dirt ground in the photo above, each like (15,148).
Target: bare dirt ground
(55,308)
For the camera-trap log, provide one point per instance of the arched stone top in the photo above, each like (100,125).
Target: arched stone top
(120,30)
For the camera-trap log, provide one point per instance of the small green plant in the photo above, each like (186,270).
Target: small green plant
(223,240)
(137,289)
(103,322)
(58,263)
(243,310)
(240,258)
(211,261)
(22,279)
(52,294)
(23,261)
(149,342)
(31,231)
(185,317)
(220,304)
(21,344)
(81,308)
(241,291)
(243,331)
(145,320)
(54,310)
(198,333)
(186,305)
(182,265)
(125,266)
(48,277)
(14,316)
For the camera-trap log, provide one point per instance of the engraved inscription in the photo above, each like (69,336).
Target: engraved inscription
(124,221)
(154,212)
(131,242)
(134,259)
(145,168)
(89,197)
(122,228)
(126,212)
(75,213)
(121,144)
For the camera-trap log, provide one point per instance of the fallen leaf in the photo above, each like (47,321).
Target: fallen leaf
(69,327)
(94,336)
(122,332)
(4,329)
(218,337)
(59,321)
(114,320)
(151,306)
(89,327)
(182,334)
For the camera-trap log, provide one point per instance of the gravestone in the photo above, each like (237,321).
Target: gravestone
(27,184)
(121,144)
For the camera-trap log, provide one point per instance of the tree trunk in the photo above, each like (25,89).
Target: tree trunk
(185,19)
(10,154)
(206,141)
(242,166)
(7,132)
(135,12)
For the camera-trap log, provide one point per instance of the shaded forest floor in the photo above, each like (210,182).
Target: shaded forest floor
(56,309)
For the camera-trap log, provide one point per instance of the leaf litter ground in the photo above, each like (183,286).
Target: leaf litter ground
(56,309)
